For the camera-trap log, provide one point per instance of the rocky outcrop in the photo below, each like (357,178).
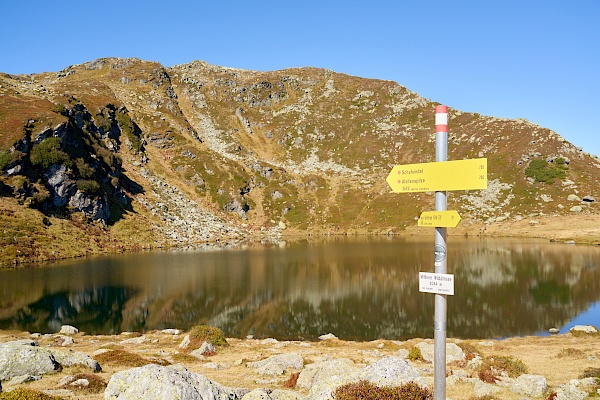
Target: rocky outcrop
(156,382)
(277,365)
(20,358)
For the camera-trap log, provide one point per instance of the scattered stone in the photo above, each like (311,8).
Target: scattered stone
(171,331)
(485,389)
(573,197)
(324,390)
(529,385)
(320,371)
(154,382)
(198,354)
(63,341)
(546,198)
(576,209)
(453,352)
(584,329)
(70,358)
(66,380)
(185,342)
(328,336)
(19,380)
(277,364)
(390,371)
(135,340)
(553,331)
(68,330)
(403,353)
(268,394)
(80,383)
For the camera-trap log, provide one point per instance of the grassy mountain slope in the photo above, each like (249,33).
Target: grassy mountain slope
(151,156)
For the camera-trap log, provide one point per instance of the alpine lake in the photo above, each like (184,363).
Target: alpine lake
(358,288)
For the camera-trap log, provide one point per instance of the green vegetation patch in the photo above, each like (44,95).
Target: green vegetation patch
(365,390)
(493,366)
(49,152)
(542,171)
(26,394)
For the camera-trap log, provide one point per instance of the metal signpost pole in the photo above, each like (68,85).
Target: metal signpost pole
(441,154)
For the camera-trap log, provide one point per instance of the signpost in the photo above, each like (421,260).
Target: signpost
(447,175)
(441,219)
(439,177)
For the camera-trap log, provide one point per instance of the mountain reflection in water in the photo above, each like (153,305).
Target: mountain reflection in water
(357,289)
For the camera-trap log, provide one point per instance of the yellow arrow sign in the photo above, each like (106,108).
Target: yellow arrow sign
(439,176)
(439,219)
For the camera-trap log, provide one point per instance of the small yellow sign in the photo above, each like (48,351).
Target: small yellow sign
(439,219)
(439,176)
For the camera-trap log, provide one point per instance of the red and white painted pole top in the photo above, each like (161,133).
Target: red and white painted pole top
(441,118)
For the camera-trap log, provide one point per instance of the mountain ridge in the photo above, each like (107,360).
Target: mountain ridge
(251,154)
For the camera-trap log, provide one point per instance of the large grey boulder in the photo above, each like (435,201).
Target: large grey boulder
(156,382)
(25,358)
(276,365)
(391,371)
(453,352)
(320,371)
(70,358)
(529,385)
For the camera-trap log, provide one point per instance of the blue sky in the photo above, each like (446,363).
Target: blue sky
(538,60)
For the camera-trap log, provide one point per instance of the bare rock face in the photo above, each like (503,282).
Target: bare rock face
(156,382)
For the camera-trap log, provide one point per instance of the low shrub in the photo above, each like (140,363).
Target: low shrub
(126,359)
(96,384)
(541,171)
(364,390)
(88,186)
(291,382)
(205,333)
(26,394)
(414,354)
(492,367)
(590,372)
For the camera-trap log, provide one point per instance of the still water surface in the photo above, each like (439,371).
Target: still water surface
(357,289)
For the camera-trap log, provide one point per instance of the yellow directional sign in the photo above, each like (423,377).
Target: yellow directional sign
(439,219)
(439,176)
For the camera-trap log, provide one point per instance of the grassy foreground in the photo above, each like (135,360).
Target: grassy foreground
(558,358)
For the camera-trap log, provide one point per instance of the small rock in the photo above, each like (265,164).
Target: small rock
(553,331)
(171,331)
(21,379)
(576,209)
(584,329)
(66,380)
(328,336)
(573,197)
(135,340)
(63,340)
(529,385)
(68,330)
(185,342)
(80,383)
(276,365)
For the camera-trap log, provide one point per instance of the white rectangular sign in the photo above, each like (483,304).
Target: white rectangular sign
(436,283)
